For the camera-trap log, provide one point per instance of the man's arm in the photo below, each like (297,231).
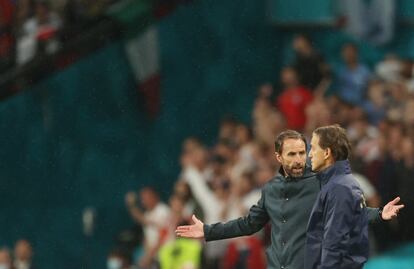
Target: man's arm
(131,204)
(246,225)
(388,212)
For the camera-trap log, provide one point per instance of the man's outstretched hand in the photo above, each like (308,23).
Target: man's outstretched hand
(191,231)
(390,210)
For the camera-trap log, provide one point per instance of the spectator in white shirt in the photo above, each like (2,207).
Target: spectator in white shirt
(154,221)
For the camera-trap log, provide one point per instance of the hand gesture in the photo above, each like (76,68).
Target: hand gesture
(391,209)
(191,231)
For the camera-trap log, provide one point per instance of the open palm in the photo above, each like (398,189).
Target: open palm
(191,231)
(391,209)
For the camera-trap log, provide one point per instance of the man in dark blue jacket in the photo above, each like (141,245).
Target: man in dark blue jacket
(337,232)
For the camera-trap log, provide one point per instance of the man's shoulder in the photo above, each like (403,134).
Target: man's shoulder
(342,185)
(275,182)
(277,179)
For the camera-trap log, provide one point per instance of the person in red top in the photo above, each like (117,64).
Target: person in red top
(294,99)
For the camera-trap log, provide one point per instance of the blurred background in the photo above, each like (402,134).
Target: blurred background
(107,104)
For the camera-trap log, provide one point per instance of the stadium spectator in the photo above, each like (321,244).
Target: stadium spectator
(154,220)
(353,76)
(23,255)
(293,100)
(309,63)
(5,258)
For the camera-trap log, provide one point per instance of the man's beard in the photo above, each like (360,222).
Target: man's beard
(294,171)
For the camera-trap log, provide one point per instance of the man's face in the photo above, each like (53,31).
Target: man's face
(293,157)
(289,77)
(23,250)
(148,199)
(5,258)
(349,54)
(299,44)
(317,154)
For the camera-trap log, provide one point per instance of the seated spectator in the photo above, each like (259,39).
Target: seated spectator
(5,258)
(294,99)
(23,254)
(352,77)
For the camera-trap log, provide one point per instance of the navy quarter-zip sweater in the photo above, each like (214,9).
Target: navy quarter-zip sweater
(337,233)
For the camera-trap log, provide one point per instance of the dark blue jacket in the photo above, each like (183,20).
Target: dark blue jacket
(337,233)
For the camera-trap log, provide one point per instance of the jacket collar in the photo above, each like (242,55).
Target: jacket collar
(338,168)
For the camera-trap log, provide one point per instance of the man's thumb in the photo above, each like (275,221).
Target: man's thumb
(194,218)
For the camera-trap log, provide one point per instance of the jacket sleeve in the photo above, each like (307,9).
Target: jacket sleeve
(373,215)
(340,213)
(246,225)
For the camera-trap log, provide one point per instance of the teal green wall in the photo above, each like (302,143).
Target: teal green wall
(81,137)
(322,11)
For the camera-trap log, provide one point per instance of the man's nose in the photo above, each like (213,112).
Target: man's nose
(298,160)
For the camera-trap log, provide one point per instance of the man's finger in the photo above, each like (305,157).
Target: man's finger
(395,201)
(194,218)
(399,207)
(181,234)
(182,228)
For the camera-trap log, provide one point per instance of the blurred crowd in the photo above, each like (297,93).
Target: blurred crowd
(221,182)
(18,258)
(35,27)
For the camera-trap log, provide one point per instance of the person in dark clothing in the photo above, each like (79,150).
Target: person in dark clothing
(337,233)
(308,63)
(405,184)
(286,202)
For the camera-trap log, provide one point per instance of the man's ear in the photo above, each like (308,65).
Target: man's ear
(278,157)
(327,153)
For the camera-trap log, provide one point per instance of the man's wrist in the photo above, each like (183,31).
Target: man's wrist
(380,210)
